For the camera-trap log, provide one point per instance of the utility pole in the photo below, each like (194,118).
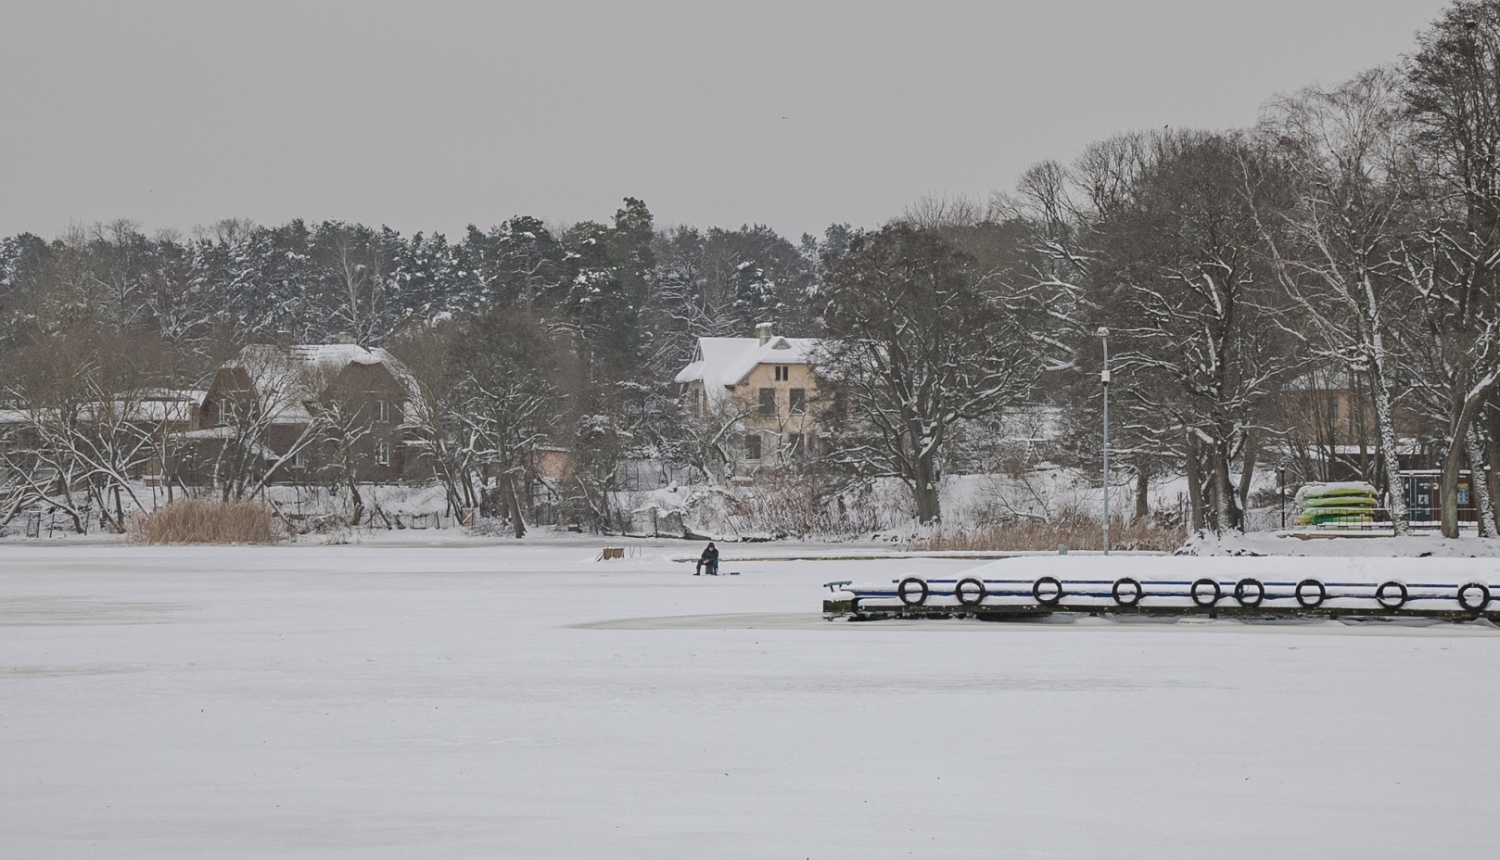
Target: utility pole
(1104,383)
(1281,482)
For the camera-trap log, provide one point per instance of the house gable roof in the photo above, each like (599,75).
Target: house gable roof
(301,374)
(724,362)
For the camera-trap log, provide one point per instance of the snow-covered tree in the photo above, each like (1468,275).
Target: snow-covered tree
(1177,278)
(1333,241)
(1452,96)
(916,339)
(507,401)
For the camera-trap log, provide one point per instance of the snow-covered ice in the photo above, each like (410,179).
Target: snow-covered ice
(524,700)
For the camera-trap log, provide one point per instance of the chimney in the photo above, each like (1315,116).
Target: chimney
(284,339)
(763,331)
(345,337)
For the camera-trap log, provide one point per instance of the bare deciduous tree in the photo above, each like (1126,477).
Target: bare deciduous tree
(1332,241)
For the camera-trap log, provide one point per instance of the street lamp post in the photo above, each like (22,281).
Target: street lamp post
(1104,383)
(1281,482)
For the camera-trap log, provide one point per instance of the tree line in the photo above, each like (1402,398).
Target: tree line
(1353,233)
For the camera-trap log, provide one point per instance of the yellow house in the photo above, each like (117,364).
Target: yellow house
(765,384)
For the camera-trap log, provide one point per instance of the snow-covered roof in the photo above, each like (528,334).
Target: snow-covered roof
(156,406)
(308,359)
(337,356)
(304,371)
(721,362)
(222,432)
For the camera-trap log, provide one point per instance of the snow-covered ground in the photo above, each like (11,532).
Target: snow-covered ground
(523,700)
(1331,544)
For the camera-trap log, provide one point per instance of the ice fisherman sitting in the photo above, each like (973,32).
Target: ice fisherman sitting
(709,559)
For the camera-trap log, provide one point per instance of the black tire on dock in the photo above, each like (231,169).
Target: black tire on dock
(1484,596)
(1314,602)
(1036,591)
(958,591)
(1391,603)
(1196,595)
(921,593)
(1242,592)
(1120,585)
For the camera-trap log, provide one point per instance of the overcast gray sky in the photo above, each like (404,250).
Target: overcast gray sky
(430,116)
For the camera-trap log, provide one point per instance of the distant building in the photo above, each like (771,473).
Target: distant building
(136,426)
(766,382)
(357,396)
(1330,426)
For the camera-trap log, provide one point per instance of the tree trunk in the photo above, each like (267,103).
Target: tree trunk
(1247,474)
(1453,460)
(119,512)
(357,500)
(1493,450)
(513,498)
(468,485)
(1195,483)
(1395,487)
(1223,490)
(1142,488)
(1448,486)
(925,489)
(1479,484)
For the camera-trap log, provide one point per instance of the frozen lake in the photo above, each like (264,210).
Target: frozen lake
(523,700)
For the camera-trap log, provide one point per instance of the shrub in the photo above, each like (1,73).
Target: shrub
(200,521)
(799,503)
(1046,536)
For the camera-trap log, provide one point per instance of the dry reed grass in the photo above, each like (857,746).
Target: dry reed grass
(1048,536)
(201,521)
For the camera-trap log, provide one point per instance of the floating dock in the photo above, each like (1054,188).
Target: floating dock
(1457,590)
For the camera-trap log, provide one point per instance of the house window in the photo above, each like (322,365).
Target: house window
(812,443)
(382,412)
(382,453)
(799,401)
(1333,409)
(752,446)
(794,444)
(299,459)
(226,412)
(783,373)
(768,403)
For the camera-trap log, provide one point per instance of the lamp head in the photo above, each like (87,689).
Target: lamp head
(1102,332)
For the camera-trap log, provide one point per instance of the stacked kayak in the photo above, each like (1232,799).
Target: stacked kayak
(1347,503)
